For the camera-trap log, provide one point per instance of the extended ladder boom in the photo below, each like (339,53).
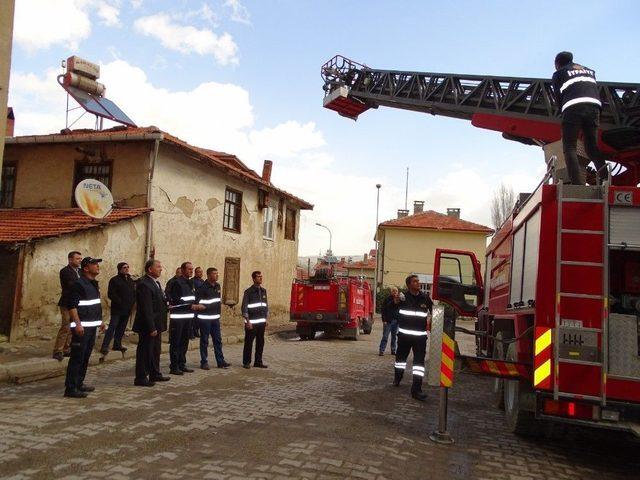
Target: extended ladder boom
(523,109)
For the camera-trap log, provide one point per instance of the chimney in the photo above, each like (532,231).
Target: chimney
(266,171)
(453,212)
(11,120)
(402,213)
(418,206)
(365,259)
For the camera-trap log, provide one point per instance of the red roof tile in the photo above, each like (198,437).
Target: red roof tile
(431,220)
(225,161)
(18,225)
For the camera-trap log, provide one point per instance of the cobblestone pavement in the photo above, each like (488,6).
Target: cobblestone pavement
(323,410)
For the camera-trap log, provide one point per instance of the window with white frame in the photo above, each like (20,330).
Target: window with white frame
(268,219)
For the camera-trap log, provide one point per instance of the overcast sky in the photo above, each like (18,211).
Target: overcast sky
(244,77)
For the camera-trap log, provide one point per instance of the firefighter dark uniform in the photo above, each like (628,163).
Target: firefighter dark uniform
(577,96)
(413,313)
(85,297)
(181,297)
(208,295)
(255,310)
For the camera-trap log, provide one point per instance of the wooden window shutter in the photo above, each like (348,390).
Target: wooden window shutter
(231,281)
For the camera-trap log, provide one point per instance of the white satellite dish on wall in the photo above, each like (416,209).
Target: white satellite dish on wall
(94,198)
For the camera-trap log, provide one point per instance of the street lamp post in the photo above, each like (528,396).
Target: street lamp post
(328,230)
(375,277)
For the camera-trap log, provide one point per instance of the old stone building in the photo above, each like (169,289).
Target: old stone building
(174,201)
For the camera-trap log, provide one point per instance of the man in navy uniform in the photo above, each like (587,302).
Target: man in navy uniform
(255,310)
(208,295)
(413,323)
(85,314)
(150,322)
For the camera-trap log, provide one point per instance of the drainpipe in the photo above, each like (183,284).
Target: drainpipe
(152,166)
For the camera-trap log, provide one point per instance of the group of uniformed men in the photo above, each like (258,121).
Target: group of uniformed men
(194,310)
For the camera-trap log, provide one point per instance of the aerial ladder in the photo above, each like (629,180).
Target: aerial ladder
(522,109)
(558,312)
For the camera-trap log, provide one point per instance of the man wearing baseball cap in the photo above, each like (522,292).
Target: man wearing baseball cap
(85,314)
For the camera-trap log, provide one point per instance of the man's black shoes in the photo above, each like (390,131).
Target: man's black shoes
(86,388)
(224,365)
(58,356)
(205,366)
(161,378)
(260,365)
(75,394)
(187,370)
(247,366)
(175,371)
(143,382)
(419,395)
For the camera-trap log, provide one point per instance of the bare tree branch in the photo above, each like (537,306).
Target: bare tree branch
(502,203)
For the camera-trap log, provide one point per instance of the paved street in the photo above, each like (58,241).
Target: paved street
(323,410)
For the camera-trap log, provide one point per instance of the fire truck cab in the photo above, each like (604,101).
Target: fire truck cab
(561,296)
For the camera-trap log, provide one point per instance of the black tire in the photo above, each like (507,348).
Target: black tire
(498,383)
(519,402)
(367,326)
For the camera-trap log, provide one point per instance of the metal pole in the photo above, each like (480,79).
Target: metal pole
(328,230)
(406,190)
(441,435)
(375,275)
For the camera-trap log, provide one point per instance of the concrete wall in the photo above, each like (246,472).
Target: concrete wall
(188,203)
(45,173)
(406,251)
(39,314)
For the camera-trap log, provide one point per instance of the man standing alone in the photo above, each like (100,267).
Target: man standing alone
(578,98)
(122,293)
(255,311)
(150,322)
(85,313)
(68,276)
(413,324)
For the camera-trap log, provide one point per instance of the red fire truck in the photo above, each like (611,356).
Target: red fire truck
(337,306)
(558,312)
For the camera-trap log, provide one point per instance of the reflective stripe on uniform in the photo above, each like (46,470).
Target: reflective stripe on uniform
(418,370)
(189,298)
(86,303)
(568,83)
(208,317)
(401,365)
(256,305)
(93,323)
(418,333)
(257,320)
(181,315)
(413,313)
(581,100)
(209,301)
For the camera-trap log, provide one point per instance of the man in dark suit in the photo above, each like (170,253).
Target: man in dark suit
(68,276)
(150,321)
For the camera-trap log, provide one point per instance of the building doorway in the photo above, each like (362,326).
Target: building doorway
(9,259)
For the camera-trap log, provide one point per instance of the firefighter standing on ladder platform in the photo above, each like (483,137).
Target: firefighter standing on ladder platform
(413,323)
(577,95)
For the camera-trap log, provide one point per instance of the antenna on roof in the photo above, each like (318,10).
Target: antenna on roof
(80,82)
(94,198)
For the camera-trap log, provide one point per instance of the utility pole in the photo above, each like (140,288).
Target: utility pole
(375,276)
(406,191)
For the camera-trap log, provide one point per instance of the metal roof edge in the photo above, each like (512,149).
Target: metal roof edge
(85,137)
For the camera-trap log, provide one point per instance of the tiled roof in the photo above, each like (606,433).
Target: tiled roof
(431,220)
(21,225)
(224,161)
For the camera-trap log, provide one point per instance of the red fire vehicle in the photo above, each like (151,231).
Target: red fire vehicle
(558,314)
(337,306)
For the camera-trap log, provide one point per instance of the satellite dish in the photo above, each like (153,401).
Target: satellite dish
(94,198)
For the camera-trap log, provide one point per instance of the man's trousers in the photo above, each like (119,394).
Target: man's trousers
(407,343)
(257,333)
(81,348)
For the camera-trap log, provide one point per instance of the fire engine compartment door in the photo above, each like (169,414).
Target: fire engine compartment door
(457,280)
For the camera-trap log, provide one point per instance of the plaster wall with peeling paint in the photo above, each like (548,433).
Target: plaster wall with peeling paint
(38,313)
(45,173)
(188,203)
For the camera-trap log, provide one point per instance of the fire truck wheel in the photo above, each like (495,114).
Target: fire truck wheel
(498,383)
(519,401)
(367,326)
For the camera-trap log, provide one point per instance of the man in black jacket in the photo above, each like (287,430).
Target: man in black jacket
(122,293)
(389,312)
(85,314)
(413,324)
(208,295)
(68,276)
(578,98)
(150,322)
(255,311)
